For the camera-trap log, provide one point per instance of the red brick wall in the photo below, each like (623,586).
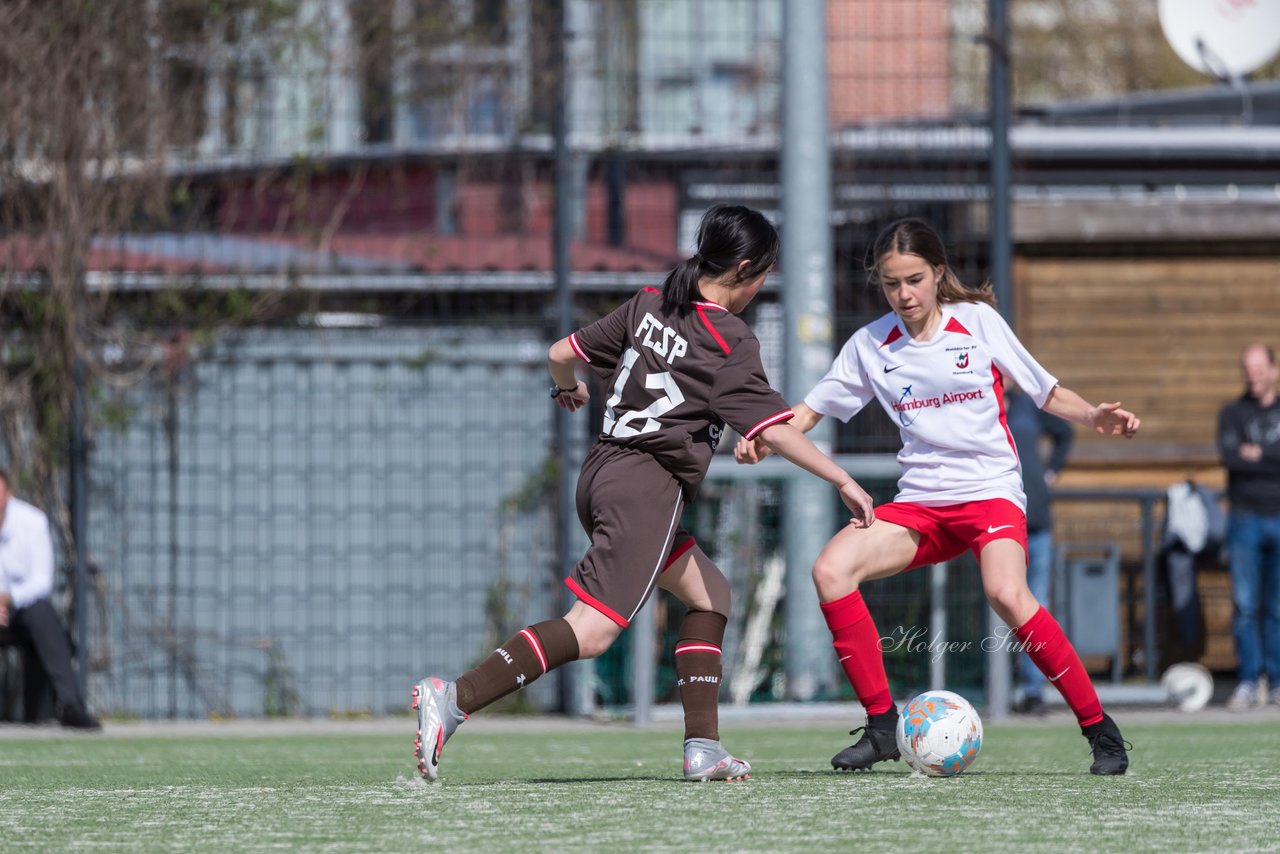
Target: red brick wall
(888,59)
(402,201)
(380,199)
(650,216)
(650,212)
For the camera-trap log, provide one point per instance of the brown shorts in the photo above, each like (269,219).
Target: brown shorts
(630,506)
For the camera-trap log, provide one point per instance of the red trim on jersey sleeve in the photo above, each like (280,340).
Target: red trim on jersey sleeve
(998,390)
(679,552)
(954,325)
(594,602)
(651,290)
(714,334)
(894,335)
(786,415)
(577,348)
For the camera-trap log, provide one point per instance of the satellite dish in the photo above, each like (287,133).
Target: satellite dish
(1190,686)
(1225,38)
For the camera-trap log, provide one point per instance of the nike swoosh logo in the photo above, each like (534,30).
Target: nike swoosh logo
(991,530)
(889,370)
(1059,676)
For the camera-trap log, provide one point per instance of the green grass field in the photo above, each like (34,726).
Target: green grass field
(1192,787)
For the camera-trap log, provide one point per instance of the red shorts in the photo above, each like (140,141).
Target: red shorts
(949,531)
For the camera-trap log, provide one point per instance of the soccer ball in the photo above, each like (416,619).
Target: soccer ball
(939,733)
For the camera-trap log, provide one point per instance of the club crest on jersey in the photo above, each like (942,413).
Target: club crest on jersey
(960,359)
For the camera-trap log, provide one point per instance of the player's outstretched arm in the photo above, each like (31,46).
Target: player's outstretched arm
(561,363)
(789,442)
(1105,418)
(749,453)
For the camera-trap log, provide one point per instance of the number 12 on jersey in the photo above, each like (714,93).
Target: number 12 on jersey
(619,423)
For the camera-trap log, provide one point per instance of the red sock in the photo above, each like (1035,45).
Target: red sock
(857,643)
(1044,640)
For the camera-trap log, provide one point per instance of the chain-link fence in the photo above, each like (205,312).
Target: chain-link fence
(294,516)
(305,521)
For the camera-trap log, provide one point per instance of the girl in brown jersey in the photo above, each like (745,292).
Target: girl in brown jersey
(680,365)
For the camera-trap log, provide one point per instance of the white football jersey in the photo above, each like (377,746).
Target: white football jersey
(947,397)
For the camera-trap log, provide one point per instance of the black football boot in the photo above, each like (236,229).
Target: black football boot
(1109,747)
(879,743)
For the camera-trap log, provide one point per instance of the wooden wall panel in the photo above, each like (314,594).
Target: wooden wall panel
(1161,335)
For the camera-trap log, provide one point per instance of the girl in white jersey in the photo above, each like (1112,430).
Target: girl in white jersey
(937,363)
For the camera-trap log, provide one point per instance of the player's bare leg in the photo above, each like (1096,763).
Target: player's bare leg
(697,582)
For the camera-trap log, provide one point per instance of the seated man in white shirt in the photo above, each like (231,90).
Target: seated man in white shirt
(26,614)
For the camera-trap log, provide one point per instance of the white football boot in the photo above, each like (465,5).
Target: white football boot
(438,717)
(706,760)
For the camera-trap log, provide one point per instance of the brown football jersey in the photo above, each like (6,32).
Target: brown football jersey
(674,382)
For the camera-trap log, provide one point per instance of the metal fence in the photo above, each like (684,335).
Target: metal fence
(305,521)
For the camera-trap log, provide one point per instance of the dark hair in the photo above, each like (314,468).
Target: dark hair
(727,236)
(4,476)
(916,237)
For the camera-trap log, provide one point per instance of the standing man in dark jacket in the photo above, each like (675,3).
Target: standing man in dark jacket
(1029,424)
(1249,442)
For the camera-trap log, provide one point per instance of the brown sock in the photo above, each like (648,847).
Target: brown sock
(525,656)
(698,670)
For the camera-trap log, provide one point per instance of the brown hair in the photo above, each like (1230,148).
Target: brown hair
(916,237)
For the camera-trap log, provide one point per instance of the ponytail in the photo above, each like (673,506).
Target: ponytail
(727,236)
(681,286)
(952,290)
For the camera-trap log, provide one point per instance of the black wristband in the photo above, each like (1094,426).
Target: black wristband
(556,391)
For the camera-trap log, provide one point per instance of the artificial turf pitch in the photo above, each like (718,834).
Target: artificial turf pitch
(1193,786)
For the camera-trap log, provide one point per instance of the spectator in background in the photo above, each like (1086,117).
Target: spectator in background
(1029,424)
(27,615)
(1249,442)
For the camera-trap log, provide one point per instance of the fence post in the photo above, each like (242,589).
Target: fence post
(999,669)
(809,512)
(938,622)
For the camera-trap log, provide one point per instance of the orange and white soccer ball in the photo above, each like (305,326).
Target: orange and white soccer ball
(939,734)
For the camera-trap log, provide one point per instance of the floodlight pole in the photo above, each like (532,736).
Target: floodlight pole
(999,670)
(575,678)
(809,509)
(1000,164)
